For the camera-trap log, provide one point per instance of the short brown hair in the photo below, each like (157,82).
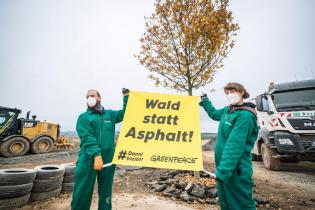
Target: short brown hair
(97,93)
(237,87)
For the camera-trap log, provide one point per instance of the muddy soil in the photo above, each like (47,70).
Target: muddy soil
(129,193)
(293,187)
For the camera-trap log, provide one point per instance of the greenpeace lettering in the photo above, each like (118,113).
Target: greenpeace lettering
(185,160)
(160,130)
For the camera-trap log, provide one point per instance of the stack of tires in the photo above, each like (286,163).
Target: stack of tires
(15,187)
(68,180)
(48,182)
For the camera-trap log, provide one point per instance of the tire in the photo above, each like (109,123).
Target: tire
(46,185)
(15,146)
(46,172)
(68,179)
(270,162)
(45,195)
(42,144)
(256,157)
(67,187)
(69,168)
(290,161)
(16,176)
(14,191)
(12,203)
(294,161)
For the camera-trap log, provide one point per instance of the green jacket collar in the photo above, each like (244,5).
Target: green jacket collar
(91,111)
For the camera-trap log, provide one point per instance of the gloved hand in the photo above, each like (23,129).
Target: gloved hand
(203,96)
(98,163)
(125,91)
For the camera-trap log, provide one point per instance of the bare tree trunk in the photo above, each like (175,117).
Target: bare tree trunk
(190,92)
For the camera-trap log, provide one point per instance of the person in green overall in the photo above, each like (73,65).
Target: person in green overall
(96,129)
(236,137)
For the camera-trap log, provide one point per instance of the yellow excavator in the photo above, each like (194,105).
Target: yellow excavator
(19,136)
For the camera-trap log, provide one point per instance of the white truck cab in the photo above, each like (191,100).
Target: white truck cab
(286,119)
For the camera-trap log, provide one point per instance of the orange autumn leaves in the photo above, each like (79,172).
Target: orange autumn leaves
(185,42)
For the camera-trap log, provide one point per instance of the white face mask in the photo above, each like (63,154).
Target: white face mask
(91,102)
(233,98)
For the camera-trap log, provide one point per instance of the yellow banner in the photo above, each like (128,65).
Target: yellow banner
(162,131)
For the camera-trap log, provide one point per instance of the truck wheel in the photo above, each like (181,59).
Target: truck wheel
(15,146)
(294,161)
(290,161)
(42,145)
(270,162)
(256,157)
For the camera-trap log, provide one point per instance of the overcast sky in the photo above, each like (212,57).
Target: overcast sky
(52,51)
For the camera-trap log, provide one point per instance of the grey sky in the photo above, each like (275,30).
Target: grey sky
(52,51)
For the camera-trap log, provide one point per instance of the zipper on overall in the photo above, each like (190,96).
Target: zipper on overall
(102,121)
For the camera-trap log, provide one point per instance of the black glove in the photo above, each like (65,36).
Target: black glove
(125,91)
(203,96)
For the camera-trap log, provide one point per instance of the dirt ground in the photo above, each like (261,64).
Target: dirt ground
(291,188)
(121,201)
(129,193)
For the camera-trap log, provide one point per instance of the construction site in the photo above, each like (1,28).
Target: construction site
(147,188)
(157,105)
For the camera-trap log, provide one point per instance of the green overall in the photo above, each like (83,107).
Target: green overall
(97,133)
(236,137)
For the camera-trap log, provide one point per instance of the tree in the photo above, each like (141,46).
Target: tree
(185,42)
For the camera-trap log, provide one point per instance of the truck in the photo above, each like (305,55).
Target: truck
(19,136)
(286,120)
